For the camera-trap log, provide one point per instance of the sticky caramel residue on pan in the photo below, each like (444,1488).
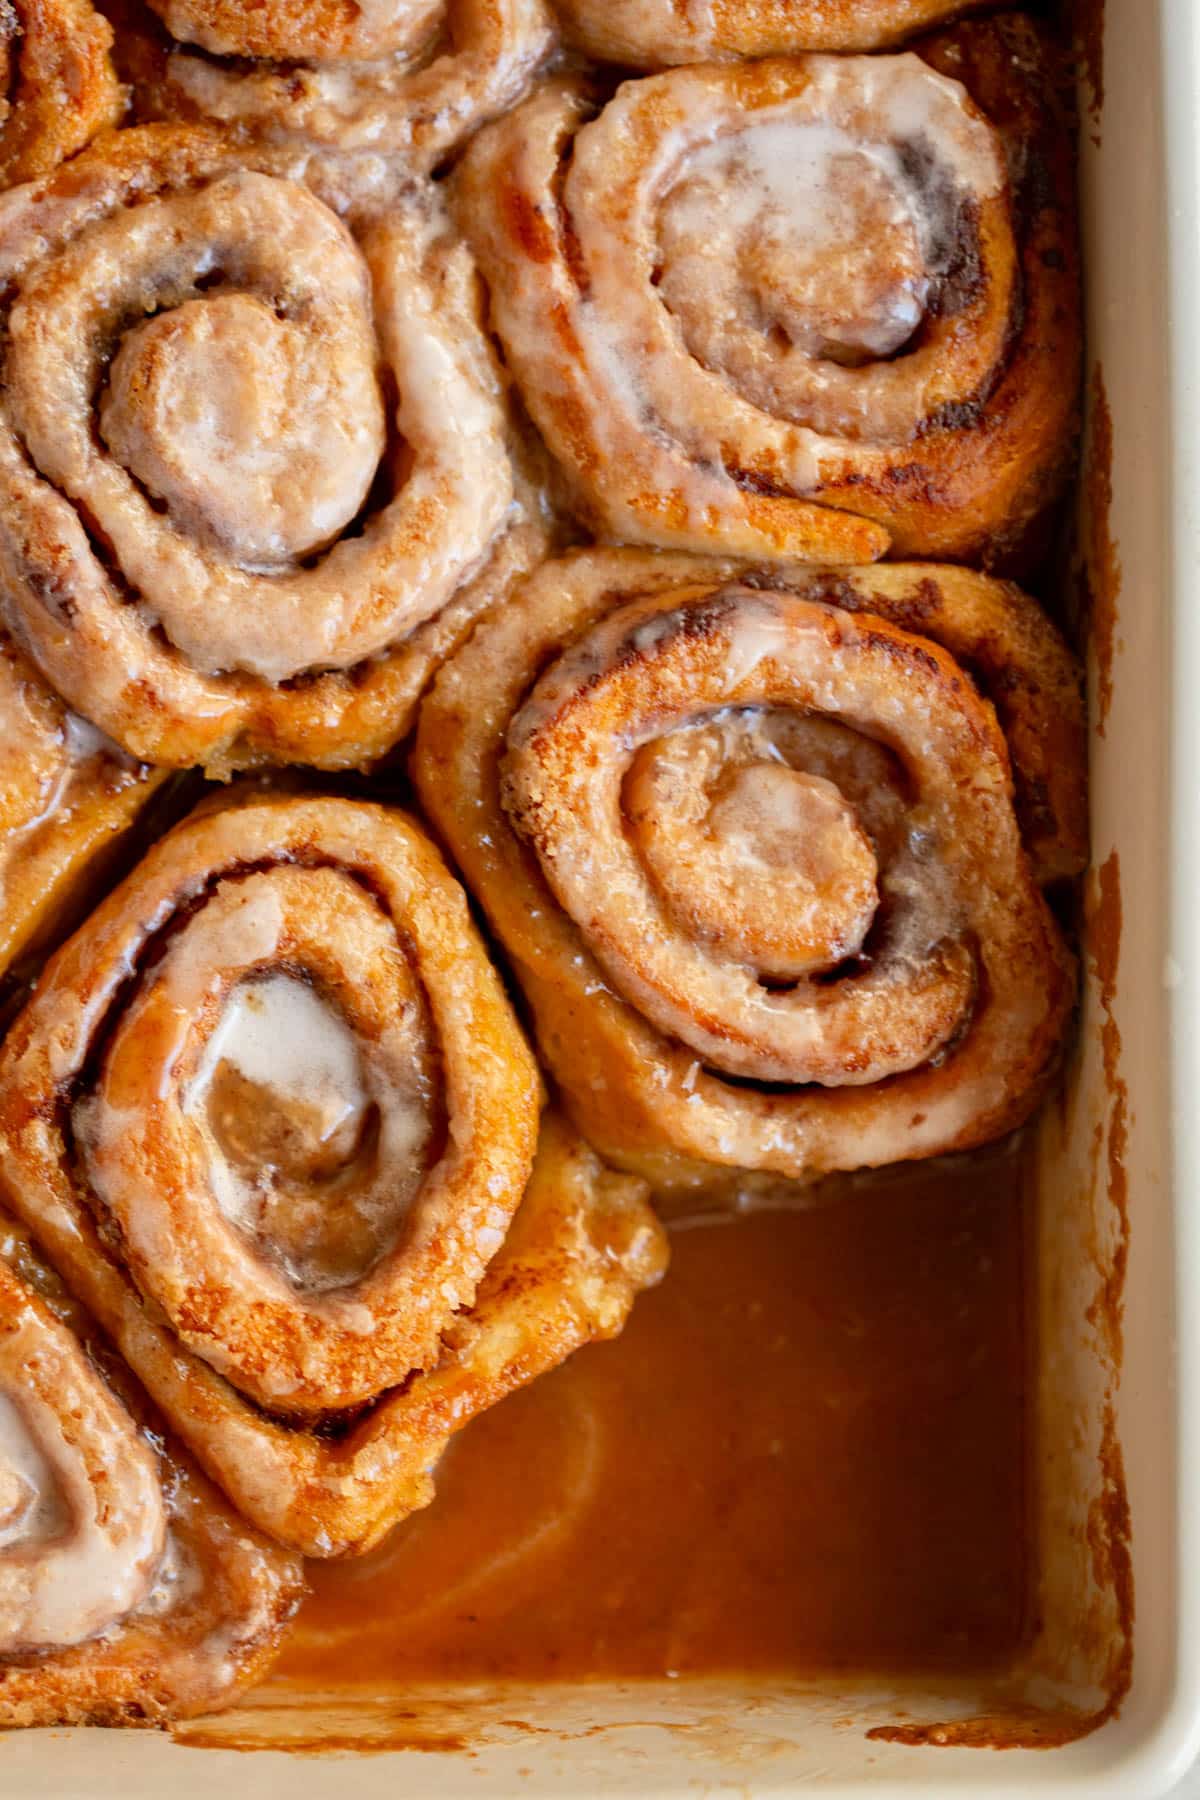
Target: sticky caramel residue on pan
(1012,1723)
(1011,1727)
(401,1737)
(1109,1536)
(1086,18)
(1108,1517)
(1103,937)
(1103,564)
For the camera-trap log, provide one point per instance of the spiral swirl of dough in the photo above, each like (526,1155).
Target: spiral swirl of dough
(131,1590)
(82,1522)
(396,78)
(253,470)
(754,853)
(312,1116)
(274,1120)
(817,306)
(651,34)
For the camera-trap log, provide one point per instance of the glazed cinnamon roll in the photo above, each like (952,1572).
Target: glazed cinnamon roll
(67,797)
(272,1118)
(57,85)
(254,481)
(765,845)
(812,307)
(648,34)
(130,1593)
(400,78)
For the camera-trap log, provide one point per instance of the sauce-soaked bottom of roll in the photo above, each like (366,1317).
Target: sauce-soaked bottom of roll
(131,1593)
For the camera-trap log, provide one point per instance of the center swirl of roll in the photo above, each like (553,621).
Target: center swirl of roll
(765,817)
(826,239)
(298,1117)
(303,1081)
(798,233)
(309,1117)
(258,433)
(282,1101)
(753,844)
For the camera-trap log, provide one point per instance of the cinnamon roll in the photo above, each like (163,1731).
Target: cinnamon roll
(130,1593)
(765,845)
(57,85)
(405,79)
(813,307)
(67,797)
(272,1118)
(254,481)
(647,34)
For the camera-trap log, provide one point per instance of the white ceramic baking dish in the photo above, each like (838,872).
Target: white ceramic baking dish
(1141,216)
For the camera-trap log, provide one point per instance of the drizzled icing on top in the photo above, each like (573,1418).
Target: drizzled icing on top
(805,240)
(280,1035)
(798,204)
(32,1508)
(82,1516)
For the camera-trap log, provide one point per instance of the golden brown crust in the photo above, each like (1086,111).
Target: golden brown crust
(290,29)
(682,419)
(296,613)
(212,1620)
(57,74)
(641,989)
(651,34)
(1021,664)
(198,1297)
(67,797)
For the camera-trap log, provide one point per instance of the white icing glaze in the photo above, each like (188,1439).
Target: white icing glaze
(260,436)
(301,1058)
(281,1035)
(280,453)
(405,84)
(249,933)
(798,195)
(306,1137)
(177,1580)
(86,1525)
(85,740)
(31,1504)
